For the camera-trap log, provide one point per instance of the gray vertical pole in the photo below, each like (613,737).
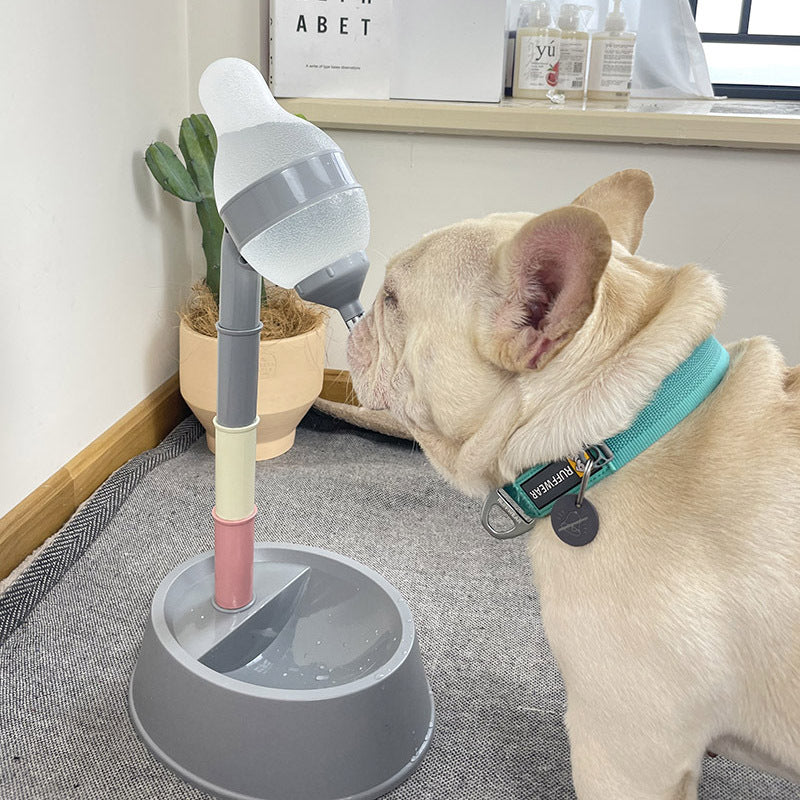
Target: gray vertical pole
(239,335)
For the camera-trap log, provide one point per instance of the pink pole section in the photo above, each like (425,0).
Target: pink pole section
(233,560)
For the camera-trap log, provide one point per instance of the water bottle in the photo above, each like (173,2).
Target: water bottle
(285,191)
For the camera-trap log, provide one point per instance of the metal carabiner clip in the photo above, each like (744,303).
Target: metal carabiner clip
(520,521)
(587,473)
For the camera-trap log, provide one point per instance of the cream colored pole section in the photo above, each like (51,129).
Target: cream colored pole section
(235,470)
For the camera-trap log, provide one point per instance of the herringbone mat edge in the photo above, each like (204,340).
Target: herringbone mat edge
(85,525)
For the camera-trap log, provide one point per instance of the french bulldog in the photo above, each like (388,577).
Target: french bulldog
(516,340)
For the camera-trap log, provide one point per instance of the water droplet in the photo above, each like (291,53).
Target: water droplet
(323,677)
(285,674)
(319,641)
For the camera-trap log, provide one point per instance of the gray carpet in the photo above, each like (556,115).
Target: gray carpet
(72,623)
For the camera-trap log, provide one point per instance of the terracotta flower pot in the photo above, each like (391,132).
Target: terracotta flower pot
(289,380)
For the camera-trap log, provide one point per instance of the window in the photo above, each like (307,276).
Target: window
(752,46)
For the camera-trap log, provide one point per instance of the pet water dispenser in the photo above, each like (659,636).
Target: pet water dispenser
(277,671)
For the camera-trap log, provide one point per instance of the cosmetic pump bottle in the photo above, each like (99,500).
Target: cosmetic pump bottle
(611,62)
(537,51)
(574,56)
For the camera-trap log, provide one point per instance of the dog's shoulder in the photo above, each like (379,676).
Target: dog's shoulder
(791,390)
(763,386)
(791,384)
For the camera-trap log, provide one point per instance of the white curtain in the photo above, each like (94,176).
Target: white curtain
(669,60)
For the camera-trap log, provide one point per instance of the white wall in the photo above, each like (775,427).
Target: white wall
(94,258)
(733,211)
(221,28)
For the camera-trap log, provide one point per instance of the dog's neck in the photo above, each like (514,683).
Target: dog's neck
(640,331)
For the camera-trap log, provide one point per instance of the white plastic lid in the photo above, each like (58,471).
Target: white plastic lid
(615,20)
(570,17)
(235,96)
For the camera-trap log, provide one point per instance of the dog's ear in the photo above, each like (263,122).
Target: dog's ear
(549,273)
(621,200)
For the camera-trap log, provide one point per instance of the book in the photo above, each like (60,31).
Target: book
(330,48)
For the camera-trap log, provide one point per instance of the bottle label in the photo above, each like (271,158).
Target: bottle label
(572,63)
(538,67)
(612,65)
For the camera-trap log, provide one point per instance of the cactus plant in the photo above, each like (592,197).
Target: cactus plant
(193,183)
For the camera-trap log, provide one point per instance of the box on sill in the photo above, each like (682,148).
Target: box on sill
(404,49)
(449,50)
(325,49)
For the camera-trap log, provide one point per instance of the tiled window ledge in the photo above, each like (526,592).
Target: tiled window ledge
(721,123)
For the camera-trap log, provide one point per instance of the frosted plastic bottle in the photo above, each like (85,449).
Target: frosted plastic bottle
(537,51)
(611,62)
(574,57)
(256,137)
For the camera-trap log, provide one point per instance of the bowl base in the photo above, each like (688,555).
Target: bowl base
(314,690)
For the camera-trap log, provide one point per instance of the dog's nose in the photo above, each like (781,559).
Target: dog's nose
(359,355)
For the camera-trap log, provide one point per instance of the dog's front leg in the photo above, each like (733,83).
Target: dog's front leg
(616,761)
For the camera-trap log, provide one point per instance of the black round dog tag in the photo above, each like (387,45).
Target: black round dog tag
(574,526)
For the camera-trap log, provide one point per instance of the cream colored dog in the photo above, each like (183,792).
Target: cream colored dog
(515,340)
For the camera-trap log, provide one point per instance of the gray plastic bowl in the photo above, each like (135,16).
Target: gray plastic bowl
(314,692)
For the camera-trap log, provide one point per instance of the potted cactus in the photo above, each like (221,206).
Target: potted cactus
(292,357)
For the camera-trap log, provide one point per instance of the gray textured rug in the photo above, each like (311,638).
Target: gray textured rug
(72,623)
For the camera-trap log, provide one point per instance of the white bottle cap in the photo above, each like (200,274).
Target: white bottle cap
(570,17)
(615,20)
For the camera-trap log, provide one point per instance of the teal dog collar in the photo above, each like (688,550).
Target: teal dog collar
(533,493)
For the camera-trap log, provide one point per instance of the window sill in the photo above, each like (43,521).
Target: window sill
(722,123)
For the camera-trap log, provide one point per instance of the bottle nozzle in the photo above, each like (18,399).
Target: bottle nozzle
(570,17)
(615,19)
(535,14)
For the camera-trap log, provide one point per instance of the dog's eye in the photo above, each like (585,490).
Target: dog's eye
(389,298)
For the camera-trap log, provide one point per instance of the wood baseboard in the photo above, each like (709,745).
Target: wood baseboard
(337,387)
(47,508)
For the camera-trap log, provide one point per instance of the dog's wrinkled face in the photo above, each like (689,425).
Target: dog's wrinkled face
(419,343)
(481,327)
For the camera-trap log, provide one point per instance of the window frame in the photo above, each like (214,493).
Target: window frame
(747,90)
